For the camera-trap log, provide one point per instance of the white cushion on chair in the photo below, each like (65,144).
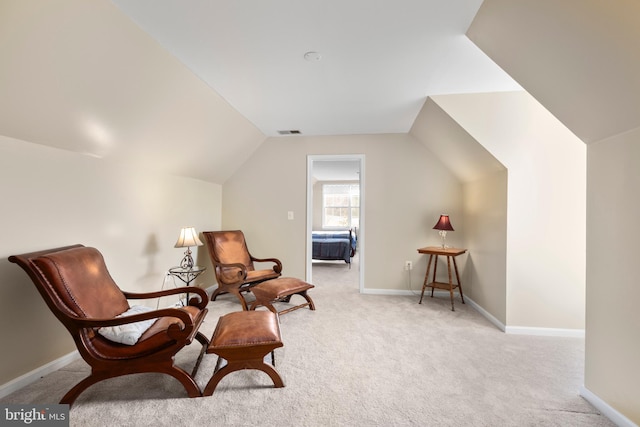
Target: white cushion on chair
(129,333)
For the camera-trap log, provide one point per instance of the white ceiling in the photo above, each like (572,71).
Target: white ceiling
(379,59)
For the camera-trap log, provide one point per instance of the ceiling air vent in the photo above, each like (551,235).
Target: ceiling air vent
(289,132)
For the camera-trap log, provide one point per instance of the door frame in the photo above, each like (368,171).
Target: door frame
(311,158)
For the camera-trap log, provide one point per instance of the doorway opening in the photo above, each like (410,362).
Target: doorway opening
(335,209)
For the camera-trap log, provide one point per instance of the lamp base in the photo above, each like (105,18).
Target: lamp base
(187,261)
(443,236)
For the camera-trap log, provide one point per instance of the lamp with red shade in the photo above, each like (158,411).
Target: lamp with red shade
(443,225)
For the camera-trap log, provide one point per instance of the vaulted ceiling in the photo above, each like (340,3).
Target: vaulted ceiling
(578,58)
(194,88)
(368,69)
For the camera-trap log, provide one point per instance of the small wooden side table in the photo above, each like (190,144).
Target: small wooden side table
(451,254)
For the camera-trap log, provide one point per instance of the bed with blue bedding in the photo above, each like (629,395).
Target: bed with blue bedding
(334,245)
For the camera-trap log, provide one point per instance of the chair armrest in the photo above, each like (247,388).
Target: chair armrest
(277,267)
(163,312)
(224,275)
(204,298)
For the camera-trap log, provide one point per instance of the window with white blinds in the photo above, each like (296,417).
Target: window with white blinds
(340,205)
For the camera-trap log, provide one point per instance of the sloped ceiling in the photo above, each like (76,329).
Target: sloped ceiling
(378,60)
(455,148)
(579,58)
(79,75)
(193,91)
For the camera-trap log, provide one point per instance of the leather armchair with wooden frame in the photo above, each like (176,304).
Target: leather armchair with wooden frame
(234,265)
(77,287)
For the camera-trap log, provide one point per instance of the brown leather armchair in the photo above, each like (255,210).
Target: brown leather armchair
(77,287)
(233,264)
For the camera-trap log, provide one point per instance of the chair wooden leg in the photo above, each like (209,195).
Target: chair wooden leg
(215,293)
(230,290)
(238,295)
(77,389)
(186,380)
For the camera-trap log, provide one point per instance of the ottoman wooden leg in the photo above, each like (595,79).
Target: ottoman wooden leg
(304,294)
(244,339)
(281,289)
(238,366)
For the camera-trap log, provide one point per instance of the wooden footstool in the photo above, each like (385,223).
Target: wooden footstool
(281,289)
(243,339)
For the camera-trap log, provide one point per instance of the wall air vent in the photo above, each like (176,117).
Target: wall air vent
(289,132)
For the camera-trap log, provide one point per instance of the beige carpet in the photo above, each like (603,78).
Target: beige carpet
(358,360)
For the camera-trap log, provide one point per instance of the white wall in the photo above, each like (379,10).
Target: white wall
(613,322)
(406,188)
(484,205)
(485,224)
(579,59)
(53,198)
(546,204)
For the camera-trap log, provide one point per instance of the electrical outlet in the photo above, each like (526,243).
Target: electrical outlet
(408,265)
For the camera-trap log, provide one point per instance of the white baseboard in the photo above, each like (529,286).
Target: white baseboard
(549,332)
(516,330)
(527,330)
(36,374)
(388,292)
(616,417)
(486,314)
(403,292)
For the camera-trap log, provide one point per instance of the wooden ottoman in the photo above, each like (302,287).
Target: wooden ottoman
(281,289)
(243,339)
